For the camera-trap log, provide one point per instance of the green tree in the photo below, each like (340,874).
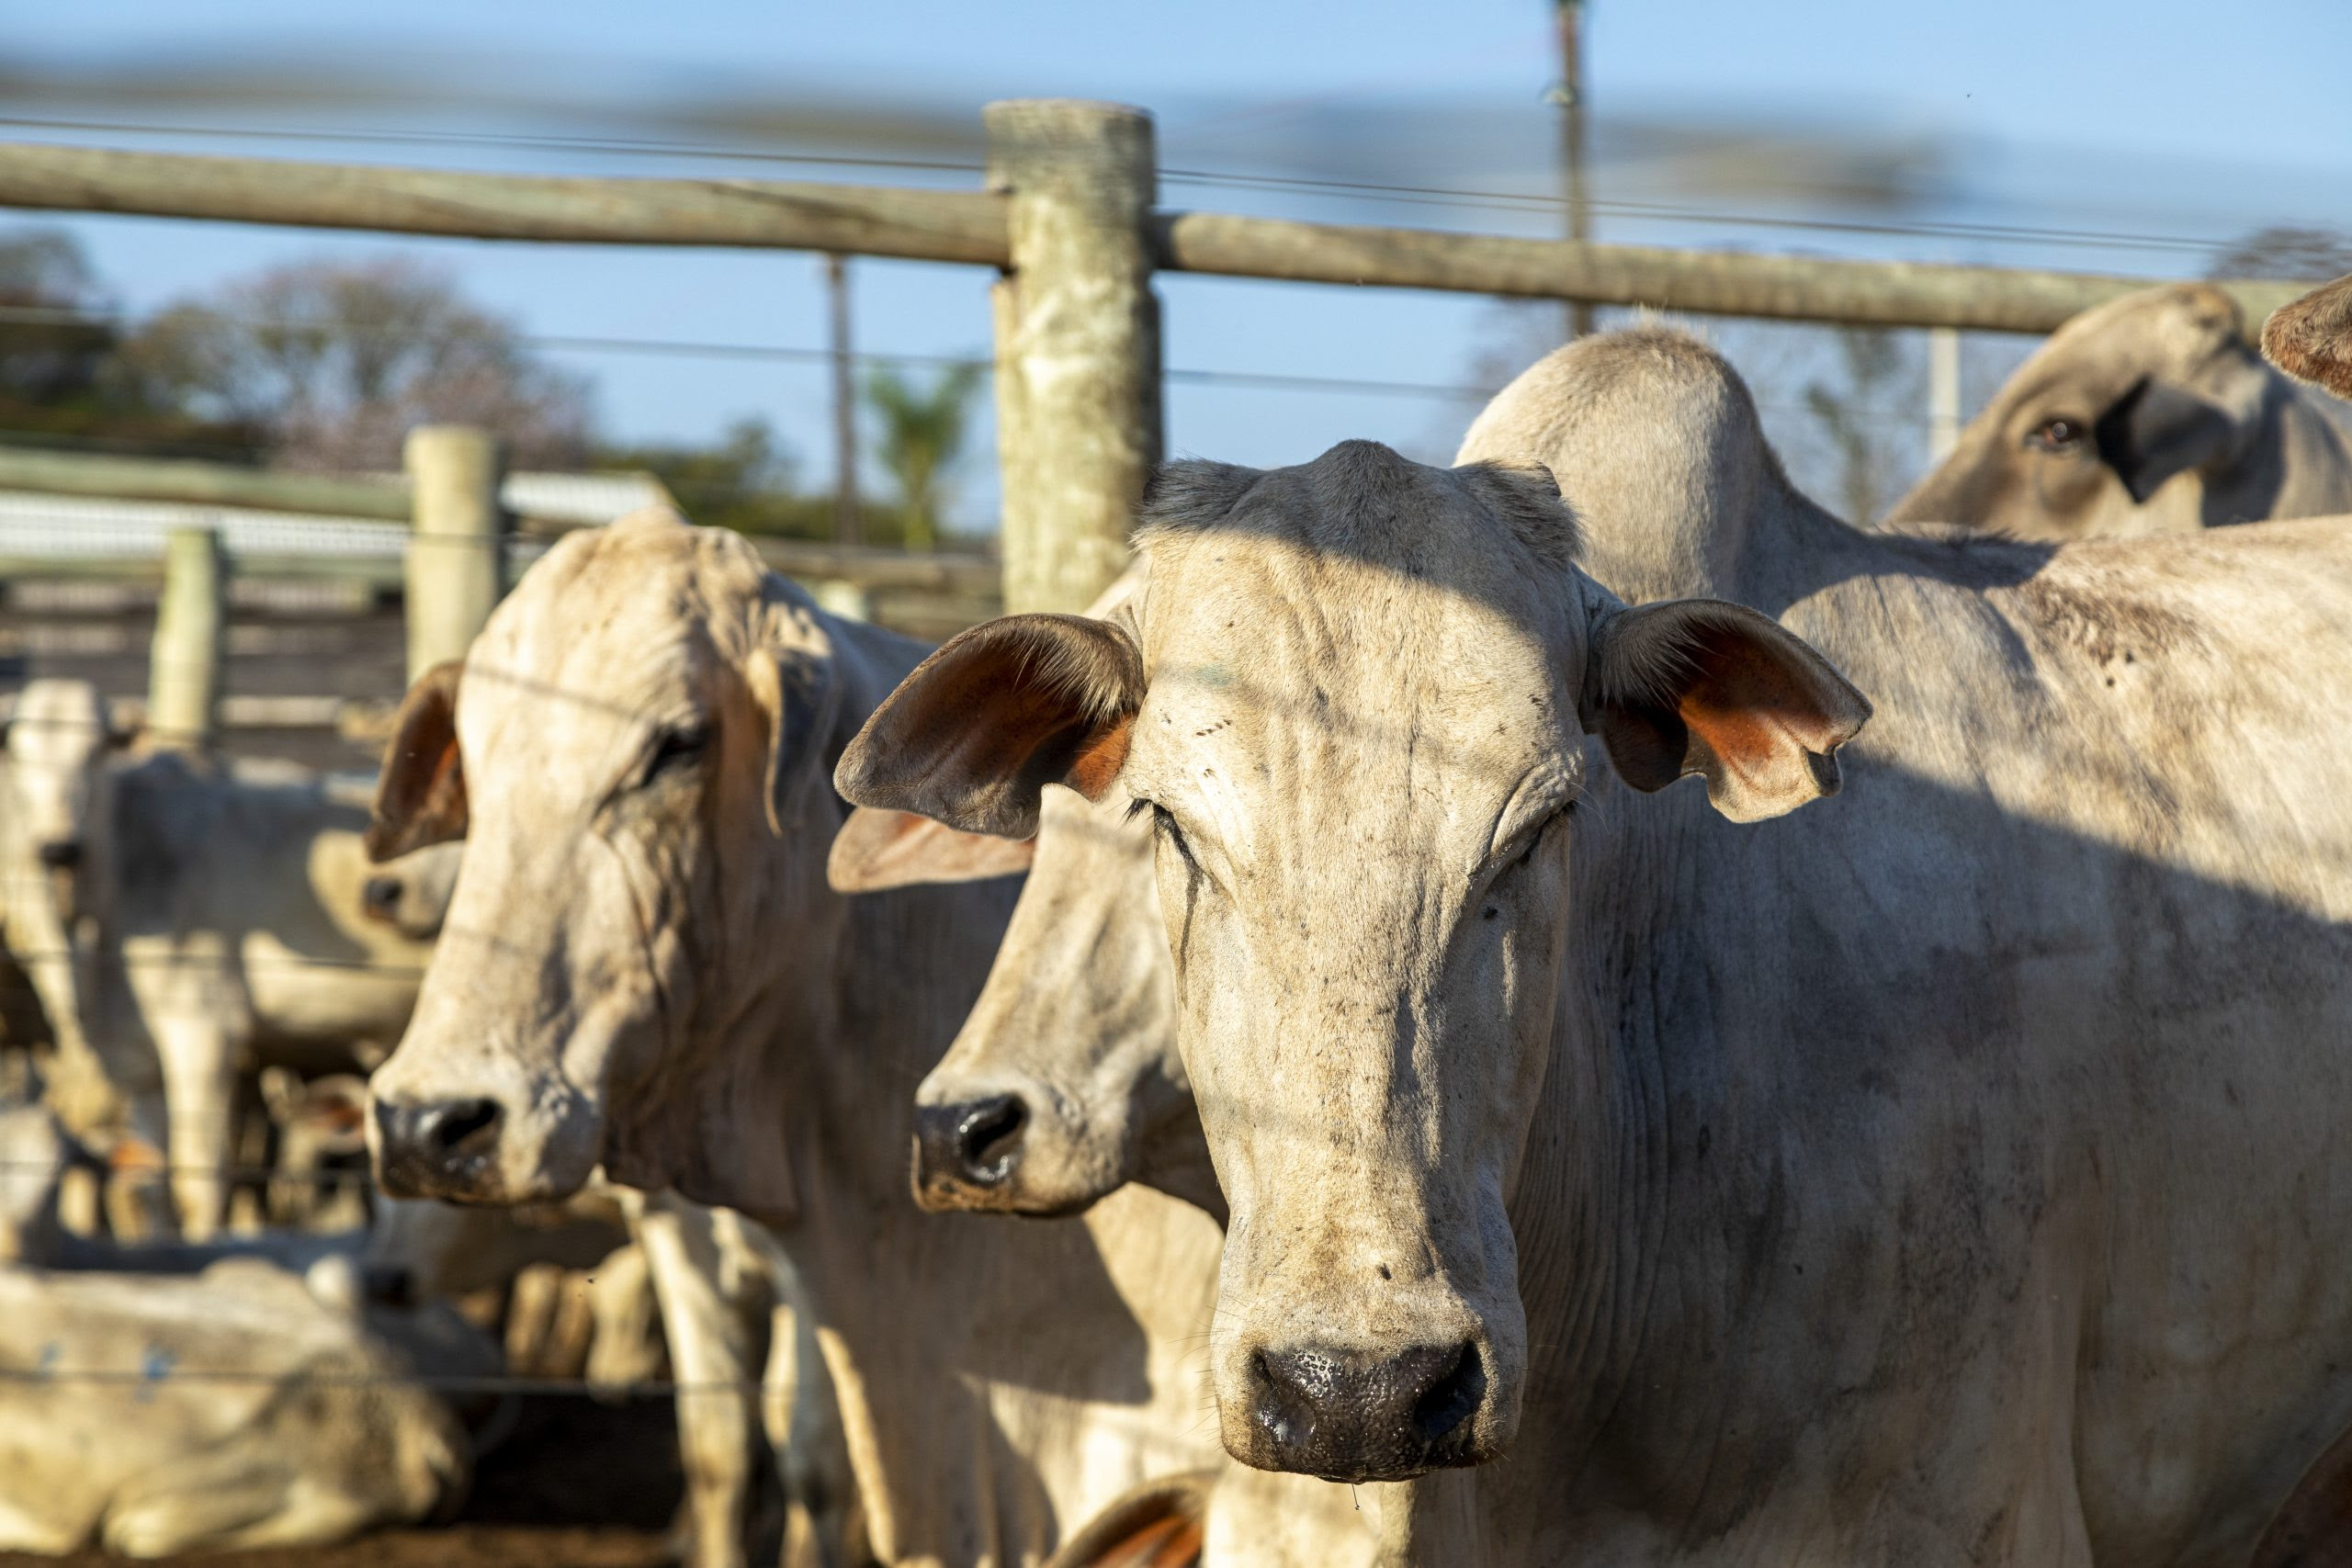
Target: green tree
(2285,249)
(921,435)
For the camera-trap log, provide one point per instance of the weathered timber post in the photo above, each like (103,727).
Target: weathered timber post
(839,596)
(457,549)
(1943,393)
(184,667)
(1076,343)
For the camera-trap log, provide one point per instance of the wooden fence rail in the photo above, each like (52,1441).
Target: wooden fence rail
(973,227)
(1068,214)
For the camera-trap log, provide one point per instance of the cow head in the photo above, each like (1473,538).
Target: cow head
(631,750)
(2085,438)
(412,894)
(57,741)
(1064,1083)
(1353,711)
(2312,339)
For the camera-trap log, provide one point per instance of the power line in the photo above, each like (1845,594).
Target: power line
(794,354)
(1414,194)
(632,147)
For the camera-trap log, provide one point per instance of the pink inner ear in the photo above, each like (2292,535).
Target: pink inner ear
(878,850)
(1099,761)
(1749,709)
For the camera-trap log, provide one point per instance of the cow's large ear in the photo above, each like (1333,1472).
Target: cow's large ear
(974,734)
(421,795)
(2156,431)
(1699,686)
(876,850)
(2312,339)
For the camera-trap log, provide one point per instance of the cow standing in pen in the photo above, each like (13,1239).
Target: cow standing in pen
(642,967)
(1760,1190)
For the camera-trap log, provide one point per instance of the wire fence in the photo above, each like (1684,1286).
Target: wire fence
(1231,179)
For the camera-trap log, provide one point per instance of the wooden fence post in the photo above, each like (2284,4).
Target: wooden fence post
(1076,343)
(457,549)
(184,666)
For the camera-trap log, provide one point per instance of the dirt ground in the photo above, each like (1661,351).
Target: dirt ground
(579,1485)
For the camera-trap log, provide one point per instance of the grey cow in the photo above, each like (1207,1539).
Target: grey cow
(2150,414)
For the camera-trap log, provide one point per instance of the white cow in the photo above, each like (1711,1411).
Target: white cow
(643,967)
(751,1394)
(1805,1191)
(53,797)
(248,1405)
(2150,414)
(228,930)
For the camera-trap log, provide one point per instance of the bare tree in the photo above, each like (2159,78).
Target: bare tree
(1859,414)
(334,361)
(2285,249)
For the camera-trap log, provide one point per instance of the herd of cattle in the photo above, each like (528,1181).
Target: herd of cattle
(1433,1151)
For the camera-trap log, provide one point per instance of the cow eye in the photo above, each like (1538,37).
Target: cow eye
(676,747)
(2057,435)
(1535,838)
(1163,821)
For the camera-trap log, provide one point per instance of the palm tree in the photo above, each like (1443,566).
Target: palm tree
(923,435)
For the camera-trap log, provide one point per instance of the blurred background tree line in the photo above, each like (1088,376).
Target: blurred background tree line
(324,366)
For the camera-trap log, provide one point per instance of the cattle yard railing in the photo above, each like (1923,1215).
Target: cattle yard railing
(1068,217)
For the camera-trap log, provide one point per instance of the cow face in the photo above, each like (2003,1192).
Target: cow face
(627,750)
(2086,438)
(1352,714)
(57,745)
(1065,1082)
(412,895)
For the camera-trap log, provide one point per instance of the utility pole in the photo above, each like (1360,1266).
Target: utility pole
(1569,19)
(849,527)
(1943,393)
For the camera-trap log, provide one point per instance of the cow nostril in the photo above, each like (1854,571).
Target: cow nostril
(447,1127)
(1453,1398)
(989,1137)
(60,855)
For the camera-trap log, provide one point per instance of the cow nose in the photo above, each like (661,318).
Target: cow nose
(380,898)
(60,854)
(440,1149)
(1345,1416)
(972,1143)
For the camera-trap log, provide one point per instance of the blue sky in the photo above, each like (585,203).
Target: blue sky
(2186,122)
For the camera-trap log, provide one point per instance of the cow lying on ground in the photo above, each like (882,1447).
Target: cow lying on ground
(643,967)
(2150,414)
(1832,1162)
(243,1406)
